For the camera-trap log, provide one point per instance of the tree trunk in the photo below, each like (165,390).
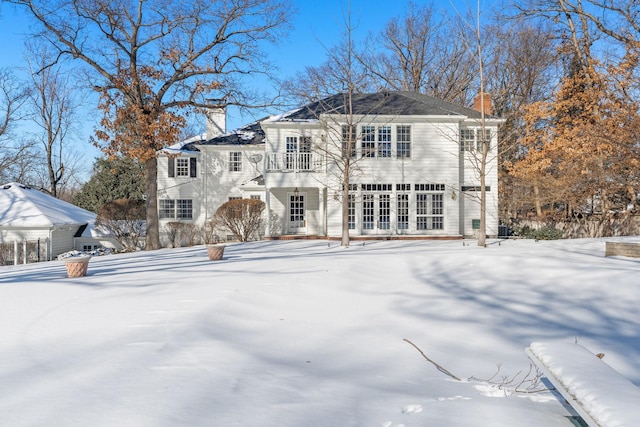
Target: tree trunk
(151,190)
(536,192)
(345,203)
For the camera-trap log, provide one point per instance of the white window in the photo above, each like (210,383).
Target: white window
(184,209)
(384,141)
(403,141)
(487,139)
(182,167)
(402,211)
(352,212)
(376,141)
(348,141)
(368,141)
(235,161)
(175,209)
(467,139)
(429,206)
(166,209)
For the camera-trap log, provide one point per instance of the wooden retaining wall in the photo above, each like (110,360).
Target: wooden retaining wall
(622,249)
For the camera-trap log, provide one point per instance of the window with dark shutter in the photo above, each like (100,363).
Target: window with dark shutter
(192,167)
(172,167)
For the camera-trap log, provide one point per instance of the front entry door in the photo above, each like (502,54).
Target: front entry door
(297,213)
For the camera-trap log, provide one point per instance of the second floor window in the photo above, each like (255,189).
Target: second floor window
(487,139)
(384,141)
(403,142)
(182,167)
(467,140)
(368,141)
(235,161)
(348,141)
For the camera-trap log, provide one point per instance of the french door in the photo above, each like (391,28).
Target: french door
(297,213)
(376,213)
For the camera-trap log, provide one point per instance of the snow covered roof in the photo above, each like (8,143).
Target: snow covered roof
(23,206)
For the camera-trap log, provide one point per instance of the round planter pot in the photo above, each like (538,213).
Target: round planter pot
(215,252)
(77,266)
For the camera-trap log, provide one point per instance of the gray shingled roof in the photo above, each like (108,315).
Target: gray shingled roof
(383,103)
(380,103)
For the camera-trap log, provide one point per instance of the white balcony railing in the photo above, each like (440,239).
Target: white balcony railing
(306,162)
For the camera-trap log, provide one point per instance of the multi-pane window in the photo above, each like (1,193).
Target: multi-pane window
(384,141)
(235,161)
(255,197)
(348,141)
(402,211)
(377,187)
(429,187)
(291,147)
(352,212)
(166,209)
(184,209)
(486,139)
(368,212)
(175,209)
(403,141)
(384,211)
(368,141)
(429,211)
(182,167)
(467,140)
(376,141)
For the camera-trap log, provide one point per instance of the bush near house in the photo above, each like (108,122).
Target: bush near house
(242,217)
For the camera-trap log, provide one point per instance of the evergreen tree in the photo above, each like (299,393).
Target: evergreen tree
(121,178)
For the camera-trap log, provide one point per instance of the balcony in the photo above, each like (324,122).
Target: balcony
(294,162)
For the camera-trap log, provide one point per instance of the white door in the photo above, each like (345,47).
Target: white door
(376,213)
(297,213)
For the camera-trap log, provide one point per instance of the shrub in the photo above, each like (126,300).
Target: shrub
(543,233)
(242,217)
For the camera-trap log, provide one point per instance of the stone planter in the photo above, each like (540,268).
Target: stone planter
(77,265)
(215,252)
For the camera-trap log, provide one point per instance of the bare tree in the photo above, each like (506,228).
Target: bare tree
(522,66)
(150,61)
(422,51)
(53,103)
(15,157)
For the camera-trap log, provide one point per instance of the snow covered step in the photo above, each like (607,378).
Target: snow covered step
(601,396)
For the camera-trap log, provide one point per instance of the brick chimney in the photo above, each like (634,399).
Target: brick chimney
(216,121)
(477,103)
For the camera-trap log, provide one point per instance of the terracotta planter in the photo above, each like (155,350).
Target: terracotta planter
(77,266)
(215,252)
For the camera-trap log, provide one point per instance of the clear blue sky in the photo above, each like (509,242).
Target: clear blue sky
(317,25)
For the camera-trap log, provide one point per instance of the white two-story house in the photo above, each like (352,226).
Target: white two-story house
(414,168)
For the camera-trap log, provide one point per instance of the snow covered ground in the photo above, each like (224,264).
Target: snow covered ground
(306,333)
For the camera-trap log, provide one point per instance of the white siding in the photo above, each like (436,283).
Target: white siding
(435,159)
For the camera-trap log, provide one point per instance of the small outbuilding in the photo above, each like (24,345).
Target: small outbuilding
(29,215)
